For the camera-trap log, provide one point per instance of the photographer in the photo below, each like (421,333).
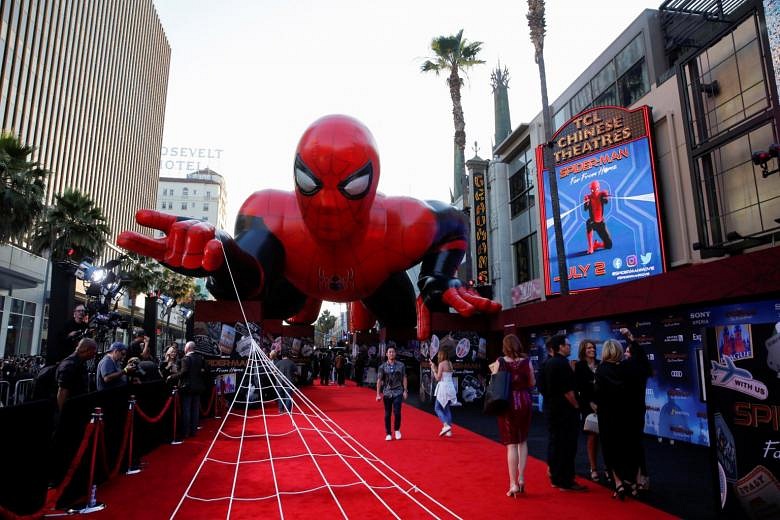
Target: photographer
(110,373)
(72,332)
(139,347)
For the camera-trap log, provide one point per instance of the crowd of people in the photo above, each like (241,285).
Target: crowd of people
(604,399)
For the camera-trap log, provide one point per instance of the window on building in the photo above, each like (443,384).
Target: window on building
(185,192)
(727,82)
(194,192)
(526,259)
(205,206)
(735,197)
(633,84)
(21,324)
(205,219)
(561,116)
(623,80)
(208,194)
(731,117)
(521,183)
(581,100)
(184,205)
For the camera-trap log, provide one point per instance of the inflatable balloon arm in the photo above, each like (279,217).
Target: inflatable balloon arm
(437,283)
(194,248)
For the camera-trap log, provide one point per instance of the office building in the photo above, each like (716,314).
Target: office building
(85,84)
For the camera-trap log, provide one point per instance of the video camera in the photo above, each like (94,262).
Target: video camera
(103,287)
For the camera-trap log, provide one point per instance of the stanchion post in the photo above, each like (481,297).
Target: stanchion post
(175,407)
(92,505)
(131,468)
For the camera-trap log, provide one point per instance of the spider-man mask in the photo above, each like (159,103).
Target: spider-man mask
(336,175)
(594,187)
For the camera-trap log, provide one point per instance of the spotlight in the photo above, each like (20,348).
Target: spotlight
(761,158)
(97,274)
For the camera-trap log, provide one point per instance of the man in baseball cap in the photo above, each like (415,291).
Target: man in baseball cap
(110,373)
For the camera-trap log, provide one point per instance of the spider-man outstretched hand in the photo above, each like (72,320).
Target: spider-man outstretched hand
(334,239)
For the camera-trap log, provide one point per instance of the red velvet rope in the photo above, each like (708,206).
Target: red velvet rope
(212,399)
(56,493)
(125,443)
(158,416)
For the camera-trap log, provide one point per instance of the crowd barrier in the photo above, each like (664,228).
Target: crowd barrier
(96,437)
(23,390)
(5,393)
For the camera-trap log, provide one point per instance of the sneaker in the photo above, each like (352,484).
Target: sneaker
(397,435)
(448,434)
(445,430)
(388,437)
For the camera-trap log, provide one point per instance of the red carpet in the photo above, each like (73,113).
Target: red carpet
(466,472)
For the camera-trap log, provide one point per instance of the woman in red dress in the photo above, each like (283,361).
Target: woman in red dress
(513,425)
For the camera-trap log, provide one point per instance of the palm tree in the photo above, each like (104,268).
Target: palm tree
(141,275)
(453,54)
(22,188)
(74,227)
(537,25)
(70,230)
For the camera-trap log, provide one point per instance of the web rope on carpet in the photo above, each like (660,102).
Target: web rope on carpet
(263,384)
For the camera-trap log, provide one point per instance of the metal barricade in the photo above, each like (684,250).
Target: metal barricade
(23,390)
(5,392)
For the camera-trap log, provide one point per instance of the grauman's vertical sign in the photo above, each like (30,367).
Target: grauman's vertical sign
(480,228)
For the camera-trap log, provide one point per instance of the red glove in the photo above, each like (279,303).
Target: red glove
(188,244)
(467,302)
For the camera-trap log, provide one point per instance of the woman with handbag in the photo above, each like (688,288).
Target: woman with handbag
(585,377)
(514,423)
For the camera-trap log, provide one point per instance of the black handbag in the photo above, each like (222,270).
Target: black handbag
(497,393)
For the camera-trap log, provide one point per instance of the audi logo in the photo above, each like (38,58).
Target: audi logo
(676,373)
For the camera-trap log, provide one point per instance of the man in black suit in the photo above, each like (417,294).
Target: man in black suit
(192,383)
(561,410)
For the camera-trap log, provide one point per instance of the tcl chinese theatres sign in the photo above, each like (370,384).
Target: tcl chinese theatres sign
(480,228)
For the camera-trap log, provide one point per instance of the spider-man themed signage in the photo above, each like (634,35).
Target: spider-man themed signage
(480,228)
(603,160)
(333,238)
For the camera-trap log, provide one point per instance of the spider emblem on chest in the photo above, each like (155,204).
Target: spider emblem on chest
(336,282)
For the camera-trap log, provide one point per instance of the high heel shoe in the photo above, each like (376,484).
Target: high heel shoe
(633,489)
(594,475)
(620,492)
(514,490)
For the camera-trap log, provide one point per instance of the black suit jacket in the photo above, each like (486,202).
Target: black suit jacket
(192,378)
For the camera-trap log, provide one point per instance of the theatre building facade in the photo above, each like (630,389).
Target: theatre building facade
(666,160)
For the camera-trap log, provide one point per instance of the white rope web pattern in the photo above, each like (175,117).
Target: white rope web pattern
(280,446)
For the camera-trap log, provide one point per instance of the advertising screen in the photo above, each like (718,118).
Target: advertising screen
(607,200)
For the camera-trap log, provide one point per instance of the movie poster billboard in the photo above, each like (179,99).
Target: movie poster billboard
(743,347)
(603,162)
(466,352)
(674,403)
(772,15)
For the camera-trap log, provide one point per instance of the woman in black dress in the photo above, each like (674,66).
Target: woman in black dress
(585,376)
(614,429)
(637,370)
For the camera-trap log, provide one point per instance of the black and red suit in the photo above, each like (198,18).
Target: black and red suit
(333,239)
(594,205)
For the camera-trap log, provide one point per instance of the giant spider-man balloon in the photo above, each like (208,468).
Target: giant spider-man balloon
(334,239)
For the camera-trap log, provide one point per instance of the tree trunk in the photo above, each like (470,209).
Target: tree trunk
(549,163)
(459,170)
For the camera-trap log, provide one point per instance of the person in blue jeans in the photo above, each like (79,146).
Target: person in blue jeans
(391,387)
(445,392)
(288,368)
